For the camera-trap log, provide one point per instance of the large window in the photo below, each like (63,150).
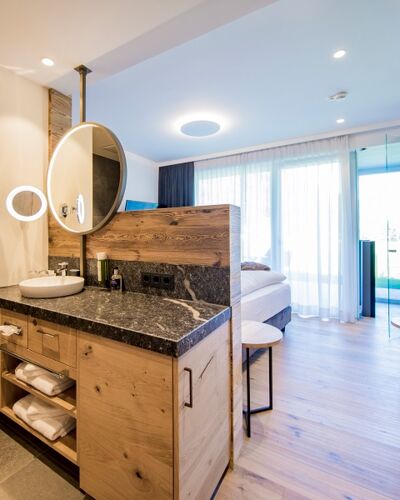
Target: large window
(297,216)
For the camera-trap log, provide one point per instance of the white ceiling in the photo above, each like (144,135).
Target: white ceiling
(108,36)
(268,74)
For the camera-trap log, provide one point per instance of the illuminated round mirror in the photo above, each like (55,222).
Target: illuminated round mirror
(86,178)
(26,203)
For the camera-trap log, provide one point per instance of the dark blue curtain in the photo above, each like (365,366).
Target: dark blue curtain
(176,185)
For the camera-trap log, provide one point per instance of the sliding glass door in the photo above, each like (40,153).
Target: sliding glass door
(393,232)
(379,221)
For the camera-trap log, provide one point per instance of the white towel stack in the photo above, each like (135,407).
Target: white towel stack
(52,422)
(42,380)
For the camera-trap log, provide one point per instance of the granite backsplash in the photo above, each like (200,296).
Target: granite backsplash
(191,282)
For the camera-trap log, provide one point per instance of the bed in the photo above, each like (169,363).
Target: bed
(266,298)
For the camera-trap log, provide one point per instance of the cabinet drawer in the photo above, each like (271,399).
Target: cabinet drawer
(53,341)
(17,319)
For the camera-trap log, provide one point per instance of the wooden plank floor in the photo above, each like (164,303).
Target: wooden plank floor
(335,429)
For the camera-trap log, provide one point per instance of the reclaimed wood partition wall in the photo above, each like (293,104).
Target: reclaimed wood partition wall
(198,236)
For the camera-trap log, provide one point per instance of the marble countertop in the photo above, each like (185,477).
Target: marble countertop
(168,326)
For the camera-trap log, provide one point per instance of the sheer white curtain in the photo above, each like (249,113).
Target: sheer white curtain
(298,214)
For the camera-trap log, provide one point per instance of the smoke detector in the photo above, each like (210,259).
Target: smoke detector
(339,96)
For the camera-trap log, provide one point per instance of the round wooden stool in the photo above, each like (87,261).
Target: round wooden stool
(395,322)
(257,335)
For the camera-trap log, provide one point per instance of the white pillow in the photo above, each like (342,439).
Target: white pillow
(254,280)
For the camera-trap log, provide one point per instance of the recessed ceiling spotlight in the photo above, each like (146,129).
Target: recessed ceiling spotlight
(339,96)
(339,54)
(47,61)
(340,120)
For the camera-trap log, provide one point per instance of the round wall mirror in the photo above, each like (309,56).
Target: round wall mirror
(86,178)
(26,203)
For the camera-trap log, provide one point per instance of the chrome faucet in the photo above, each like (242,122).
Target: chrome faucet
(62,269)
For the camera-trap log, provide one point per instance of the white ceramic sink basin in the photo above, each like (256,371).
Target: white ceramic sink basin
(51,286)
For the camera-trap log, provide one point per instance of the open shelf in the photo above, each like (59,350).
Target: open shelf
(66,400)
(66,446)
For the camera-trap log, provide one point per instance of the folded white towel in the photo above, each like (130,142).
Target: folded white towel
(43,380)
(8,330)
(27,372)
(40,409)
(51,427)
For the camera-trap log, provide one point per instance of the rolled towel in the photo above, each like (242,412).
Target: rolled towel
(44,381)
(51,427)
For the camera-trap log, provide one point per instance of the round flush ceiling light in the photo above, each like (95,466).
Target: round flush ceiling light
(339,54)
(200,128)
(26,189)
(47,61)
(340,120)
(199,124)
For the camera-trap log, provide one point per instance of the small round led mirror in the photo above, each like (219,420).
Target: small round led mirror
(86,178)
(26,203)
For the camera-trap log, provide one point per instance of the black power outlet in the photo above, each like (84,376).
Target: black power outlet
(159,280)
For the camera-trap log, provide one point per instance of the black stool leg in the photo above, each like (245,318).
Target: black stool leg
(271,395)
(270,388)
(248,413)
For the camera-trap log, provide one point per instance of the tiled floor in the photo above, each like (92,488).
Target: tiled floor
(28,470)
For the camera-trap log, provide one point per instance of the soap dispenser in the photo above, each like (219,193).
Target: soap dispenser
(116,280)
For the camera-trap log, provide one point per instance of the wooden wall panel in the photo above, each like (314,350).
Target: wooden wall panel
(60,121)
(195,235)
(60,117)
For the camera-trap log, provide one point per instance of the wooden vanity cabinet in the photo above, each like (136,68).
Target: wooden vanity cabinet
(149,426)
(152,426)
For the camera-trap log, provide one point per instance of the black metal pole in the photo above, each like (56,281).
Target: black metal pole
(271,395)
(248,415)
(83,72)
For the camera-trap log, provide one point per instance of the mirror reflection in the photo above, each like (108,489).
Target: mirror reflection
(26,203)
(86,178)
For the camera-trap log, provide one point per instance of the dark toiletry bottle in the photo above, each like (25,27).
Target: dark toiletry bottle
(116,280)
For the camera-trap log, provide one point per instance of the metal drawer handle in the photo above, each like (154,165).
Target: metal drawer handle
(41,332)
(190,404)
(19,329)
(3,348)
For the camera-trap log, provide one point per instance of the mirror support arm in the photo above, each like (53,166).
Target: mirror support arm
(82,257)
(83,71)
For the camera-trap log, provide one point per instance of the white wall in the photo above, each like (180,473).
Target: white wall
(142,182)
(23,160)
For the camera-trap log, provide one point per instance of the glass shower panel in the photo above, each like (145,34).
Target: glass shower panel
(392,204)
